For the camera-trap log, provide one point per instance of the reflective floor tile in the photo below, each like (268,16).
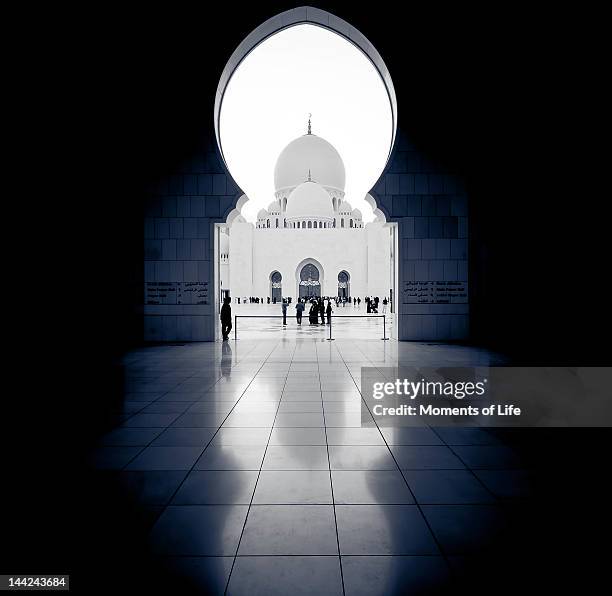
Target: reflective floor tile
(231,457)
(264,407)
(150,420)
(331,407)
(360,457)
(447,487)
(306,487)
(296,457)
(301,396)
(345,396)
(202,575)
(184,437)
(217,488)
(279,576)
(410,436)
(395,575)
(194,420)
(198,530)
(300,406)
(210,407)
(250,419)
(298,436)
(419,457)
(289,530)
(153,487)
(295,419)
(166,407)
(465,529)
(241,436)
(383,530)
(370,487)
(354,436)
(130,437)
(348,419)
(166,458)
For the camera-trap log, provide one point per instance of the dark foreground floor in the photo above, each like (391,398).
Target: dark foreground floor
(244,468)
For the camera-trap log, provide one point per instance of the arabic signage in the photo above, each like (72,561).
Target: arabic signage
(435,292)
(176,292)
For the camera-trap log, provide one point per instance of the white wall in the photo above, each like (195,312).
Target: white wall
(363,252)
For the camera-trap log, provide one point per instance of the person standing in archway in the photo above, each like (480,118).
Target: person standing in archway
(299,309)
(226,319)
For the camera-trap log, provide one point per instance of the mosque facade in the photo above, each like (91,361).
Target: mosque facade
(309,241)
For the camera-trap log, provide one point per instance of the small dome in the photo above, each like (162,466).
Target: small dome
(357,214)
(345,207)
(274,207)
(309,152)
(262,214)
(309,200)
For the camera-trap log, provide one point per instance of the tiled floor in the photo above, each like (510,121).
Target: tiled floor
(262,480)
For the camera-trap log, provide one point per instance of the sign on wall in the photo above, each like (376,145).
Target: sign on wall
(435,292)
(176,292)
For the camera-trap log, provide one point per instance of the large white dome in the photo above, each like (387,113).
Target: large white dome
(309,201)
(309,152)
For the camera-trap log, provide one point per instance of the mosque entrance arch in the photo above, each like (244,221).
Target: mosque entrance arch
(310,283)
(344,285)
(276,286)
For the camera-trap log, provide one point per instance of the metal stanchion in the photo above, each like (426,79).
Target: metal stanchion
(384,328)
(235,327)
(330,338)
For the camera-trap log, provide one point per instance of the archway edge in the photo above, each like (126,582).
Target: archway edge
(299,16)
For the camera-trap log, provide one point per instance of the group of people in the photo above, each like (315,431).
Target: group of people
(317,309)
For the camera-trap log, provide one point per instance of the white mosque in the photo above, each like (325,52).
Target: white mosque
(309,241)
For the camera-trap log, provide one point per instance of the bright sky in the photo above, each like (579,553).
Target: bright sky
(305,69)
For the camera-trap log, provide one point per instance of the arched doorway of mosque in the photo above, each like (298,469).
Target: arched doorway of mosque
(276,286)
(310,286)
(344,285)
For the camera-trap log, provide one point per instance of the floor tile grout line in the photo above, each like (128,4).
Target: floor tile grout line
(434,537)
(198,457)
(486,488)
(331,482)
(160,397)
(263,459)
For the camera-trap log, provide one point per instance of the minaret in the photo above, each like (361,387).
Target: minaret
(309,128)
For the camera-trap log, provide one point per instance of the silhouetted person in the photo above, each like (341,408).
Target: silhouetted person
(322,311)
(226,319)
(329,312)
(284,308)
(313,313)
(299,309)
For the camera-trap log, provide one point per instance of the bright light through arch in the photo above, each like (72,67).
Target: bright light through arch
(300,70)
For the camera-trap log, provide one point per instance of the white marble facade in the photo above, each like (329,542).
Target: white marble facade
(309,241)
